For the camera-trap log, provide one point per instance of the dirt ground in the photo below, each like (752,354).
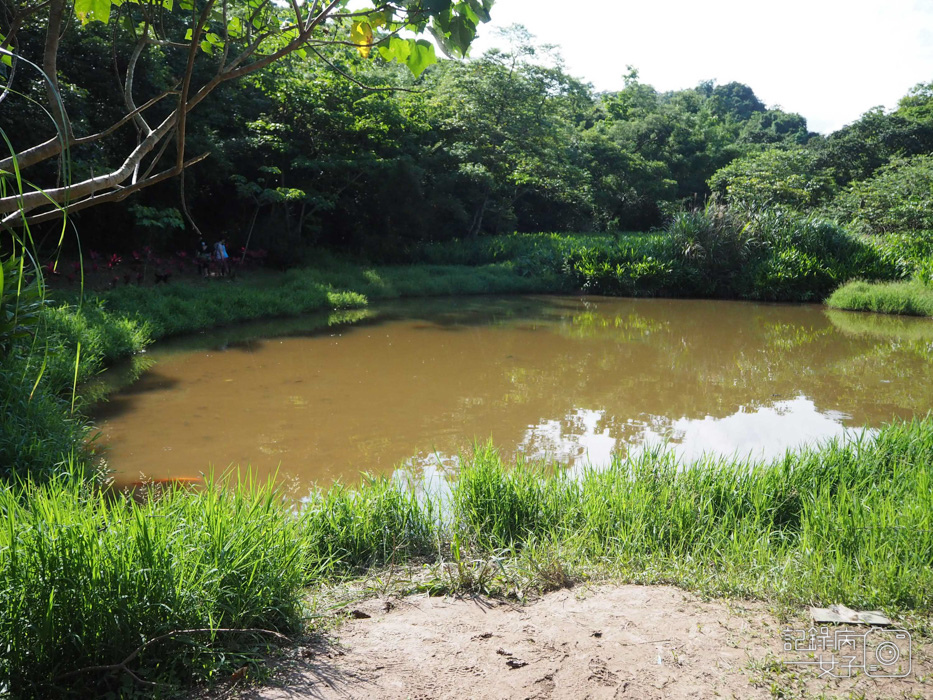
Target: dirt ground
(586,642)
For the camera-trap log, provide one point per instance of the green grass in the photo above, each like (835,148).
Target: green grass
(913,298)
(897,330)
(41,424)
(715,252)
(185,307)
(85,580)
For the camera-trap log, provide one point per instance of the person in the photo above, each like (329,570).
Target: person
(220,255)
(203,257)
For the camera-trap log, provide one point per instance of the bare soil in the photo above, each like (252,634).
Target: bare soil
(586,642)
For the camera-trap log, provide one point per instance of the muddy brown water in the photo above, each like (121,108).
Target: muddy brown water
(567,378)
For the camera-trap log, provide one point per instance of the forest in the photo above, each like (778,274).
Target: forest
(357,155)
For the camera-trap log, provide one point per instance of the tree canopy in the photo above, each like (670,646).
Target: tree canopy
(168,57)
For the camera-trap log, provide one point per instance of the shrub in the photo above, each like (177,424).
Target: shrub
(897,198)
(775,177)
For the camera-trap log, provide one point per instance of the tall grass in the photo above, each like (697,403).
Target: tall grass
(42,428)
(912,298)
(348,531)
(716,251)
(86,581)
(189,306)
(849,522)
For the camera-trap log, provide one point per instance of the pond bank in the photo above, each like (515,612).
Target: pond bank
(87,582)
(595,641)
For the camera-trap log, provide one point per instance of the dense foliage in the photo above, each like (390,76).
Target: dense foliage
(350,149)
(319,151)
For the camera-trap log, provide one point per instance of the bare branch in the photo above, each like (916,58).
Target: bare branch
(50,66)
(156,159)
(182,111)
(29,201)
(302,38)
(141,123)
(112,196)
(223,60)
(357,82)
(126,118)
(54,146)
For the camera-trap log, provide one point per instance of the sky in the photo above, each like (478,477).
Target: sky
(828,60)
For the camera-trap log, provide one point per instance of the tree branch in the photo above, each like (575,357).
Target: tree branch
(182,111)
(50,66)
(128,84)
(14,64)
(112,196)
(357,82)
(17,21)
(30,200)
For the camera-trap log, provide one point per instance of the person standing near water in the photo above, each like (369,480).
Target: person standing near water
(220,255)
(203,257)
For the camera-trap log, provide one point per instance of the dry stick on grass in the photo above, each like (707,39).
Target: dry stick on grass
(122,666)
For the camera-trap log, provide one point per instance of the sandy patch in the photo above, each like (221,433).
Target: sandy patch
(587,642)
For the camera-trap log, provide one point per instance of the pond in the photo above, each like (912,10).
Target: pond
(572,379)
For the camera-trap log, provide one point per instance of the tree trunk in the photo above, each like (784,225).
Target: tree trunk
(477,224)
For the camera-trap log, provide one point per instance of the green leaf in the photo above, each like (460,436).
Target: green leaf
(461,34)
(93,10)
(235,28)
(422,55)
(129,25)
(481,8)
(433,7)
(396,50)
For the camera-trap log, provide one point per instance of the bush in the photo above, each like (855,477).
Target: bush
(898,198)
(775,177)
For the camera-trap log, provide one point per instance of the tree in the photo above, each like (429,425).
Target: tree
(200,45)
(735,100)
(506,123)
(774,177)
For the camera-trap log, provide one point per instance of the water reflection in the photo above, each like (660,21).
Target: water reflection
(569,378)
